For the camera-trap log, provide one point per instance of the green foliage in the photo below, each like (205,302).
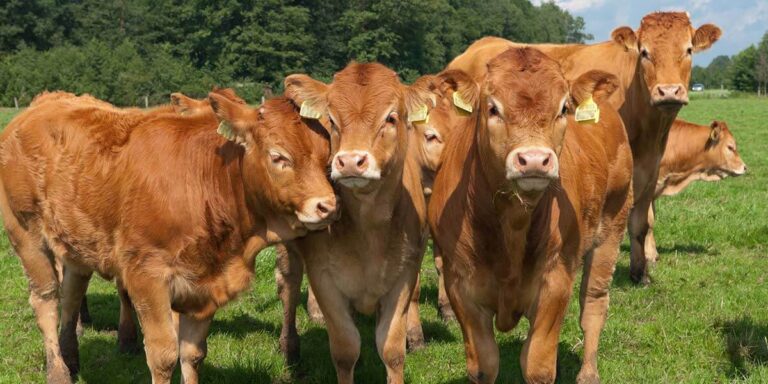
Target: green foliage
(742,71)
(127,49)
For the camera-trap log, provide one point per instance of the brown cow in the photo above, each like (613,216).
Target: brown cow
(173,210)
(524,196)
(369,260)
(694,152)
(653,66)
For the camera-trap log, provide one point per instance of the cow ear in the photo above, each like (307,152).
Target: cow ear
(717,131)
(465,91)
(229,93)
(308,94)
(625,37)
(421,97)
(235,119)
(705,36)
(596,84)
(181,103)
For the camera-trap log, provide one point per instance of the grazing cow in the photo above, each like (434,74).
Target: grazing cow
(694,152)
(525,196)
(369,260)
(161,202)
(653,66)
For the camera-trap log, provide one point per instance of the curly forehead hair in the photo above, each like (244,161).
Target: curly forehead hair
(665,19)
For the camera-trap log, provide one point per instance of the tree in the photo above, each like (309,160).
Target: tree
(742,71)
(761,66)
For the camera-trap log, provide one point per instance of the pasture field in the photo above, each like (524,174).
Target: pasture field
(703,320)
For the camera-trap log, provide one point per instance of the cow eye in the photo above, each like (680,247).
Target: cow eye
(732,148)
(392,118)
(431,136)
(333,124)
(644,53)
(564,111)
(689,51)
(492,110)
(279,160)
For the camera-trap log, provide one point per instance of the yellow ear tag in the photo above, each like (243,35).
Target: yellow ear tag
(225,130)
(421,114)
(459,102)
(309,112)
(588,112)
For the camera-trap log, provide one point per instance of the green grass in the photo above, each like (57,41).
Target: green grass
(704,319)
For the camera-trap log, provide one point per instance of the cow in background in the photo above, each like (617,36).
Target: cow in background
(694,152)
(653,65)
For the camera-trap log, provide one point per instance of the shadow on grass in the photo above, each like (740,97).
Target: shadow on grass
(568,364)
(621,277)
(242,325)
(745,344)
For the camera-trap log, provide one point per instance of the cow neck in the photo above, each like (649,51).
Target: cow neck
(645,124)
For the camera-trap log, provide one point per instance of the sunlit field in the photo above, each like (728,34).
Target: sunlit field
(703,320)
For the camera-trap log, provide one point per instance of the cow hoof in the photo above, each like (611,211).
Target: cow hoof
(416,342)
(289,347)
(588,378)
(58,375)
(447,314)
(316,317)
(642,279)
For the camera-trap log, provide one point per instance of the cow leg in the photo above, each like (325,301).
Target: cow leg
(73,289)
(644,189)
(651,253)
(595,282)
(415,333)
(538,358)
(315,314)
(443,303)
(343,335)
(40,267)
(476,323)
(85,315)
(127,334)
(152,301)
(193,346)
(392,326)
(289,269)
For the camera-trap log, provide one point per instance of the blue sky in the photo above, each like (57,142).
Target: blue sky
(743,21)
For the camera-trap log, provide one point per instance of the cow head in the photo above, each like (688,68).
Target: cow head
(285,161)
(722,158)
(665,43)
(521,127)
(368,110)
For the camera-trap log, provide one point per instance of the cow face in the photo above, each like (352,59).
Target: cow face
(665,43)
(368,110)
(285,159)
(521,127)
(722,157)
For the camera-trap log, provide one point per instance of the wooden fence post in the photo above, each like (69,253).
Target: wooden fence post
(146,101)
(16,102)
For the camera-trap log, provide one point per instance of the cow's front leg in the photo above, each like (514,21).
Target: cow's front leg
(415,333)
(538,358)
(392,323)
(644,189)
(651,253)
(127,334)
(289,270)
(343,335)
(443,303)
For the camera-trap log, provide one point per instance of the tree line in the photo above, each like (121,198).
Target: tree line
(125,50)
(746,71)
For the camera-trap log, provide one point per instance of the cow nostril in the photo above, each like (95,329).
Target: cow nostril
(661,91)
(322,208)
(521,160)
(362,161)
(340,162)
(545,162)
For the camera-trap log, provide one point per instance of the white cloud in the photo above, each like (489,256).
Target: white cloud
(699,4)
(574,5)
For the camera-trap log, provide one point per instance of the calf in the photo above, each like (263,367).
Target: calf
(525,196)
(369,260)
(694,152)
(163,203)
(653,65)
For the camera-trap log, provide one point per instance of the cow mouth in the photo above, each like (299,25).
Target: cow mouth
(533,183)
(669,104)
(354,181)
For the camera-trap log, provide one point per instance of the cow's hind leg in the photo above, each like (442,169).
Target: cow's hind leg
(315,314)
(415,333)
(651,253)
(538,358)
(193,347)
(596,280)
(40,267)
(127,334)
(289,270)
(73,289)
(443,303)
